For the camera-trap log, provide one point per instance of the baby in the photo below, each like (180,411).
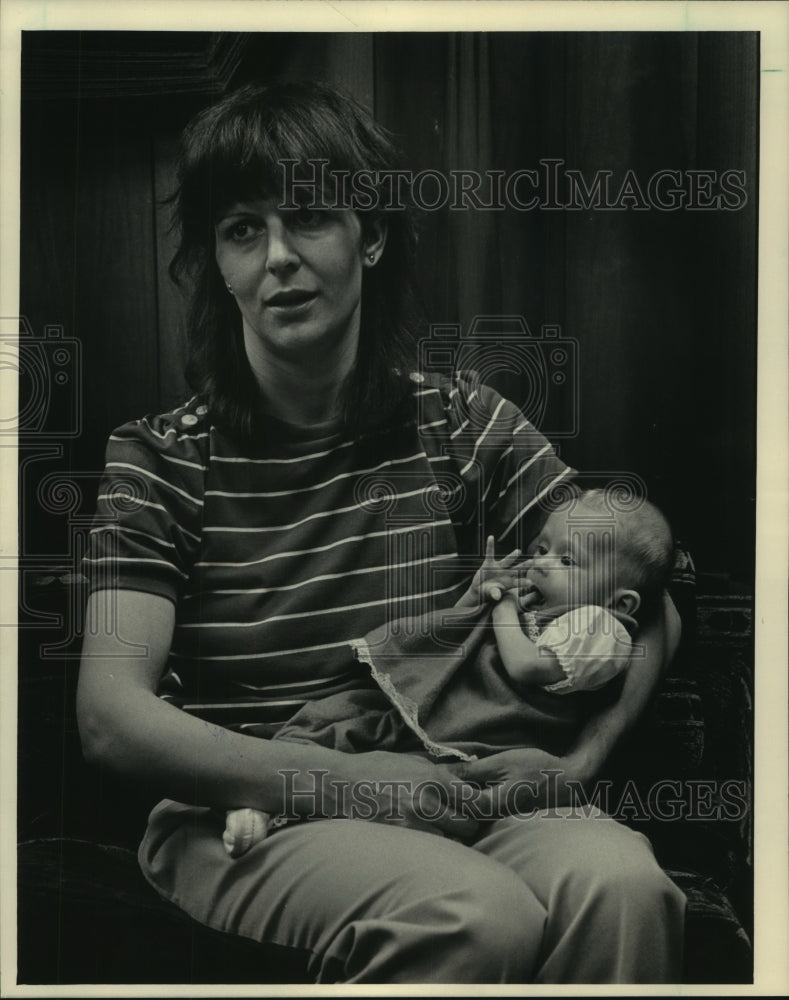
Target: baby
(563,616)
(568,627)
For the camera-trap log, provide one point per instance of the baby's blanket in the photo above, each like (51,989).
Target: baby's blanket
(440,688)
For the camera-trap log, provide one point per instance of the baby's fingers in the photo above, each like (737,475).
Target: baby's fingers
(530,597)
(490,551)
(510,560)
(491,591)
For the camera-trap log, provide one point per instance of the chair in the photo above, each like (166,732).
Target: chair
(86,915)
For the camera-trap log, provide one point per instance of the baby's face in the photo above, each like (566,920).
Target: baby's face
(570,563)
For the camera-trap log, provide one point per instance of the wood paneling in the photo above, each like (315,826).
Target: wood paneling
(662,304)
(86,253)
(171,300)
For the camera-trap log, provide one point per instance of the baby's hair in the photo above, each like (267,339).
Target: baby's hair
(645,546)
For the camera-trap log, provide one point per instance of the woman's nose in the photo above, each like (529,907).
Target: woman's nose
(280,253)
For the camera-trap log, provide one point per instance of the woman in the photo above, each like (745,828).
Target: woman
(296,502)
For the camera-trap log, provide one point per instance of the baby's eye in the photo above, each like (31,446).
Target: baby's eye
(567,561)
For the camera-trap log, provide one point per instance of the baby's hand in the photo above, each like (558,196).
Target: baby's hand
(527,599)
(494,577)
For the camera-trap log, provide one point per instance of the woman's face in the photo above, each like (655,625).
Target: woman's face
(297,278)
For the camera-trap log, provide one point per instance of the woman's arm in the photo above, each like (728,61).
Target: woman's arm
(659,639)
(538,776)
(523,660)
(127,728)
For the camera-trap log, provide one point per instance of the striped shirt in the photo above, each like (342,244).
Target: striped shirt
(276,555)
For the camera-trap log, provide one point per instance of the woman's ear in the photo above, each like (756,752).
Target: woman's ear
(627,602)
(374,241)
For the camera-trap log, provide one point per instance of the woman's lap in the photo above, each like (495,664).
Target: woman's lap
(613,914)
(378,903)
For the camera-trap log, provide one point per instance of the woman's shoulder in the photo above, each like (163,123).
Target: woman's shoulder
(474,411)
(183,431)
(465,392)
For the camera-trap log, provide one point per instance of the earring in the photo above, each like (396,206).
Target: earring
(229,287)
(372,258)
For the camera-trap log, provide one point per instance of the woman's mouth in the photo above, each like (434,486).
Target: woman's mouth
(291,301)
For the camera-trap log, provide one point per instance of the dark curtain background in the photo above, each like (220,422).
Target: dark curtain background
(661,306)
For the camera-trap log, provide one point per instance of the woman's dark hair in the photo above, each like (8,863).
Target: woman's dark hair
(233,151)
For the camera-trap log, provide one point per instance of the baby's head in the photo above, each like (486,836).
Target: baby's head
(592,553)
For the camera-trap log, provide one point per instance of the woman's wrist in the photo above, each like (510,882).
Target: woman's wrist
(582,764)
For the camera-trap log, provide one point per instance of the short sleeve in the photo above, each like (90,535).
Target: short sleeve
(591,645)
(149,510)
(504,460)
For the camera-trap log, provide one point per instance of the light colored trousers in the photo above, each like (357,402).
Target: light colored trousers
(549,899)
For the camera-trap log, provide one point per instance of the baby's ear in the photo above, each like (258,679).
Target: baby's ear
(627,602)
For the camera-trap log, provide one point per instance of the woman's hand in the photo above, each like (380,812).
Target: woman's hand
(400,788)
(128,730)
(532,779)
(516,782)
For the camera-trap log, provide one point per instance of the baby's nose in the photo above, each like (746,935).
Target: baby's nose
(548,561)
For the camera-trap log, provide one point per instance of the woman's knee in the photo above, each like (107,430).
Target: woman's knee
(497,924)
(460,918)
(619,871)
(650,896)
(639,883)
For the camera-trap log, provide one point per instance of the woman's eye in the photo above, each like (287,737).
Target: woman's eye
(308,218)
(240,232)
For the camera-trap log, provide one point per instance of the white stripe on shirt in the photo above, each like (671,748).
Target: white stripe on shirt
(322,578)
(321,611)
(433,487)
(330,545)
(536,499)
(482,437)
(328,482)
(155,478)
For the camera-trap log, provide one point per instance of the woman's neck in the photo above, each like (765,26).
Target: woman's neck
(300,390)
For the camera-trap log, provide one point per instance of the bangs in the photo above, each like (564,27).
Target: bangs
(272,144)
(297,144)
